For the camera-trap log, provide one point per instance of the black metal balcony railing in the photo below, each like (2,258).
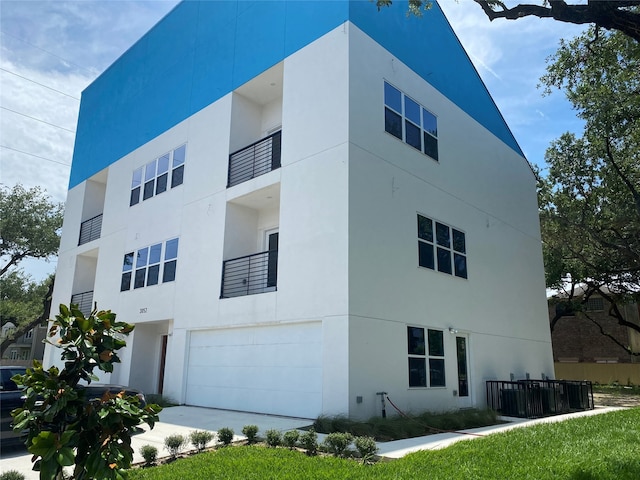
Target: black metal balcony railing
(539,398)
(84,301)
(257,159)
(90,229)
(251,274)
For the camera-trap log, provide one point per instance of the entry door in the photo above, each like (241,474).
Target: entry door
(464,384)
(272,262)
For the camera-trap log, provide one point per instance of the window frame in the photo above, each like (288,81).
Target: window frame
(138,264)
(423,354)
(422,124)
(158,176)
(441,247)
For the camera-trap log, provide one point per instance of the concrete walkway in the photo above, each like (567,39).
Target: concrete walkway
(183,420)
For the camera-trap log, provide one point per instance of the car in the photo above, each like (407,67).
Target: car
(12,397)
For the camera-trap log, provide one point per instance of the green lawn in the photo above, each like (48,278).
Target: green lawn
(601,447)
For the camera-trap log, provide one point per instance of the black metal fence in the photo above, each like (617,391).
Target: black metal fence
(90,229)
(251,274)
(257,159)
(539,398)
(84,301)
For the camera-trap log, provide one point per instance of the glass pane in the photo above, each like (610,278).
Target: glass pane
(463,381)
(412,110)
(460,265)
(152,276)
(169,272)
(125,282)
(141,259)
(148,190)
(458,241)
(425,255)
(415,341)
(417,372)
(135,196)
(163,164)
(429,122)
(442,235)
(136,181)
(177,176)
(392,123)
(138,282)
(413,135)
(444,260)
(150,170)
(392,97)
(127,264)
(161,183)
(154,253)
(178,155)
(436,343)
(425,228)
(430,146)
(171,249)
(436,372)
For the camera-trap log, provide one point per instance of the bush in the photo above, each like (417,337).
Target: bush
(367,448)
(174,444)
(149,453)
(309,441)
(225,435)
(290,438)
(336,443)
(200,439)
(11,475)
(251,432)
(273,437)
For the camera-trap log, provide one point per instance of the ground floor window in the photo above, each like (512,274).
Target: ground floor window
(425,348)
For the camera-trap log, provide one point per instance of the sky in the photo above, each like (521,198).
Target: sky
(51,50)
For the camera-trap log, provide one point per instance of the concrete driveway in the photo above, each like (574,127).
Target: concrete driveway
(174,420)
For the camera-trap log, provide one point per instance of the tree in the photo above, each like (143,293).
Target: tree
(23,303)
(29,225)
(590,198)
(610,14)
(65,427)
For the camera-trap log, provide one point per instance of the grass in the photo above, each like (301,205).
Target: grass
(617,389)
(397,427)
(602,447)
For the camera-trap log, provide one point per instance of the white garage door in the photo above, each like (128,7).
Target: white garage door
(275,370)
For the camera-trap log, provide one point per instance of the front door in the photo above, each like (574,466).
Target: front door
(464,385)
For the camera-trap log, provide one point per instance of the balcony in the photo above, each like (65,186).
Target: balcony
(84,301)
(90,229)
(250,275)
(257,159)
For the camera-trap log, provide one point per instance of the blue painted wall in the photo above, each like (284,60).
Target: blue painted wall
(202,50)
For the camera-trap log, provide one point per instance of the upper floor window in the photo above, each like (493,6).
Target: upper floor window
(28,334)
(441,247)
(145,266)
(153,178)
(409,121)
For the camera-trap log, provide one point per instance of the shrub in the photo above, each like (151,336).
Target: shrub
(200,439)
(336,443)
(273,437)
(290,438)
(367,448)
(225,435)
(11,475)
(174,444)
(251,432)
(149,453)
(309,441)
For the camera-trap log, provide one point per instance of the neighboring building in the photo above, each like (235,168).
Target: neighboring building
(301,204)
(580,350)
(26,348)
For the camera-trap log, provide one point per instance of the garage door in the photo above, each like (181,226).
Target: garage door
(274,370)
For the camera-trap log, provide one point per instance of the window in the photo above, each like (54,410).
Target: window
(28,335)
(153,178)
(149,262)
(407,120)
(425,352)
(441,247)
(595,304)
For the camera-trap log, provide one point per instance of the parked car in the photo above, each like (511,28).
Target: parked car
(12,397)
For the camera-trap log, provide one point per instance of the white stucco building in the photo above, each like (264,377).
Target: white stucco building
(381,235)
